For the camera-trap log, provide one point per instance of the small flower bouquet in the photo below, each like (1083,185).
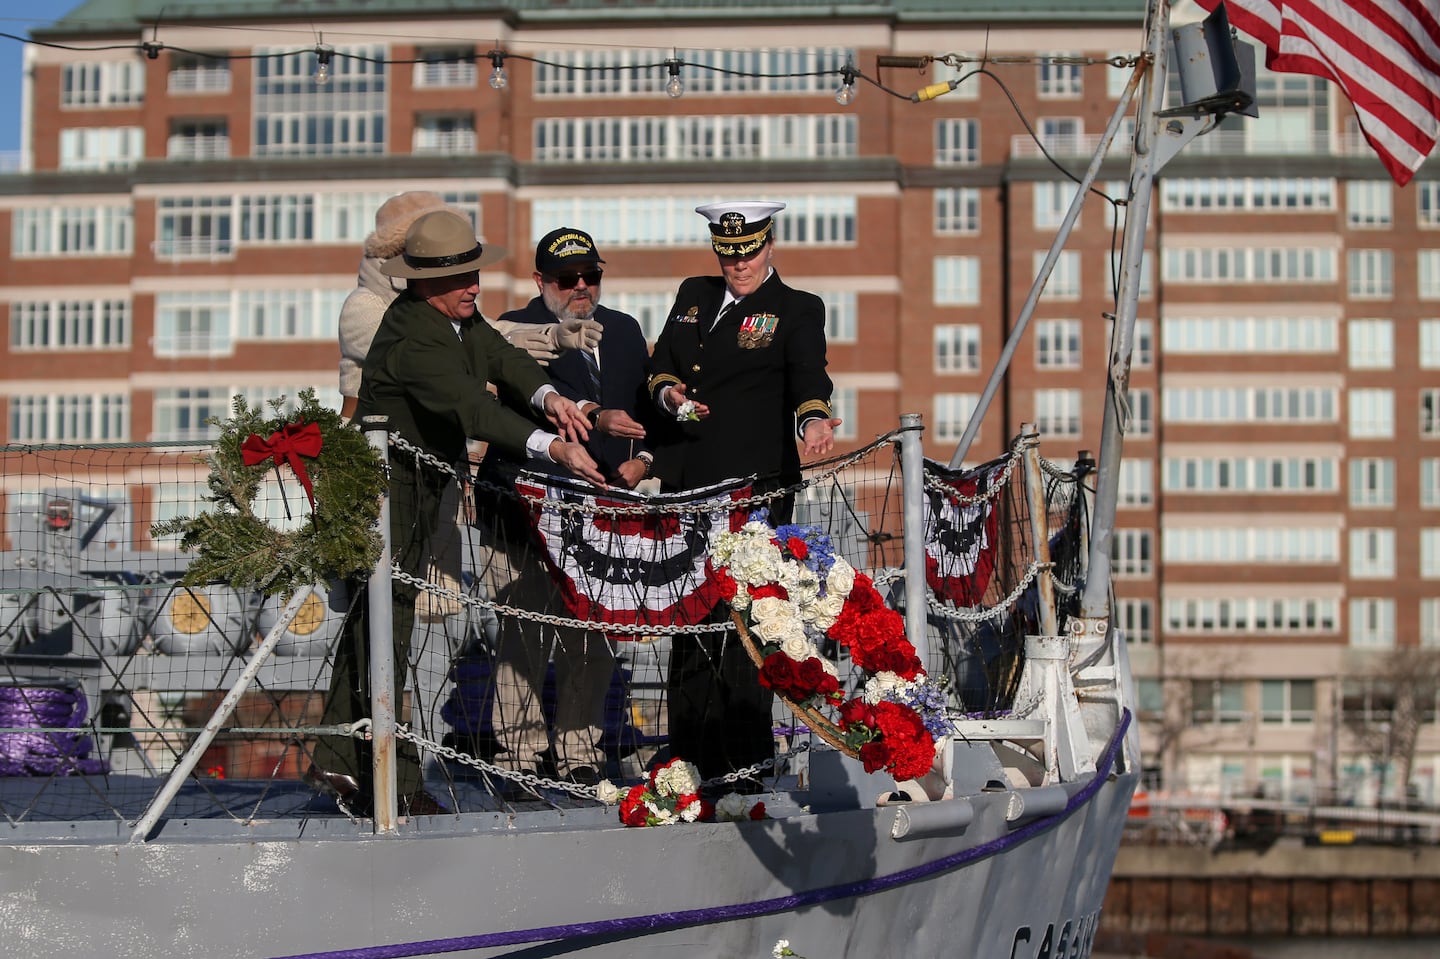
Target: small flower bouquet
(685,413)
(671,794)
(788,592)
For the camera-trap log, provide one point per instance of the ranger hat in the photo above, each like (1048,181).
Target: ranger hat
(565,249)
(739,227)
(440,243)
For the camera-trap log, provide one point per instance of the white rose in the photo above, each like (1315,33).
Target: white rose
(691,812)
(841,579)
(607,792)
(798,647)
(731,806)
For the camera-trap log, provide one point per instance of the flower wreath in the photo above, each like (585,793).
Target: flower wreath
(671,794)
(342,479)
(788,591)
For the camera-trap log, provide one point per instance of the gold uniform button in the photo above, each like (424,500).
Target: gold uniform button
(695,368)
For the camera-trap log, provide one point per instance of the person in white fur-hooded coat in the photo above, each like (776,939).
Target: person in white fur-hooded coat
(360,315)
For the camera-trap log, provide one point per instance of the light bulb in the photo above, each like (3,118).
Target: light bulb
(846,94)
(498,79)
(674,87)
(322,70)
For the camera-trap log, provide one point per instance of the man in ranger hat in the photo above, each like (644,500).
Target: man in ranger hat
(739,371)
(607,381)
(427,371)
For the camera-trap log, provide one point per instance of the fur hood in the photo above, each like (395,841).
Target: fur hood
(393,219)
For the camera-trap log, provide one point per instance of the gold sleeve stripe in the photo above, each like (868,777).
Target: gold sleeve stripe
(662,379)
(813,406)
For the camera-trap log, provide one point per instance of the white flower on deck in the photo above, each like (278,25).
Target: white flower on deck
(677,779)
(607,792)
(732,806)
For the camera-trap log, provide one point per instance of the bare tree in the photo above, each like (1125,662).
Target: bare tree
(1404,685)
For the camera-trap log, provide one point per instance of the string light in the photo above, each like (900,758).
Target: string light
(847,92)
(323,52)
(498,79)
(674,87)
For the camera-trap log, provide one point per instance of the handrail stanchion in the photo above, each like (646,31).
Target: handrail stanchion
(912,477)
(380,633)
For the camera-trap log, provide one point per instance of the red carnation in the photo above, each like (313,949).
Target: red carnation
(707,811)
(632,808)
(726,583)
(856,712)
(769,589)
(811,676)
(797,547)
(757,811)
(875,755)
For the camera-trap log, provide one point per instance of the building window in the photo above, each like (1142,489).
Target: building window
(1137,482)
(1215,701)
(295,117)
(957,211)
(1289,616)
(1427,203)
(1132,553)
(194,228)
(1232,194)
(957,280)
(841,315)
(1230,545)
(450,133)
(1372,274)
(114,84)
(69,325)
(1430,623)
(607,72)
(1429,344)
(445,67)
(1250,334)
(843,407)
(1367,204)
(1057,412)
(1224,265)
(1059,78)
(659,221)
(54,230)
(651,309)
(70,418)
(1367,701)
(1430,483)
(1372,344)
(1250,474)
(180,414)
(1063,135)
(957,348)
(198,140)
(1372,553)
(1372,482)
(197,73)
(1372,414)
(1427,264)
(952,415)
(193,323)
(957,142)
(1430,413)
(1287,702)
(1142,349)
(1064,280)
(1052,202)
(1430,553)
(1142,412)
(1057,344)
(101,148)
(1250,404)
(1137,618)
(693,138)
(1372,623)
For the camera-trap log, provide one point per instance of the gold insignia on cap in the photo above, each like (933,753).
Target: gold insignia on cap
(732,224)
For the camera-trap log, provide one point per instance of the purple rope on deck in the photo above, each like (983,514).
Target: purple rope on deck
(713,914)
(52,749)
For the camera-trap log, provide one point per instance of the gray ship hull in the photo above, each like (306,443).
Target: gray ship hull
(578,883)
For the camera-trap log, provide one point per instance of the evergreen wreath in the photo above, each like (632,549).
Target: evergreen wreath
(343,480)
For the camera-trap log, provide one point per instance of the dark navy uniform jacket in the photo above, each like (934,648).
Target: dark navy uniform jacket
(623,355)
(760,370)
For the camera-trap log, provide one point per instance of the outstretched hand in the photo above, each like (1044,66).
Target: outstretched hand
(574,458)
(566,417)
(536,339)
(619,423)
(579,334)
(676,396)
(819,436)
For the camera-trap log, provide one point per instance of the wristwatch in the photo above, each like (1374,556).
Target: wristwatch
(649,460)
(593,415)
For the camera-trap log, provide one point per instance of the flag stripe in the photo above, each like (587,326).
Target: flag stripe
(1384,54)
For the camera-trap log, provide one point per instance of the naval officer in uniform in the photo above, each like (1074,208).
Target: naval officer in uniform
(739,372)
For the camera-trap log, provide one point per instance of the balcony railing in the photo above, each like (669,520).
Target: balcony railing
(198,148)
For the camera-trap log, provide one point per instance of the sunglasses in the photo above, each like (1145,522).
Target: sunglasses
(568,281)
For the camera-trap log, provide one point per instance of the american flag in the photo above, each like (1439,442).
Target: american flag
(1385,55)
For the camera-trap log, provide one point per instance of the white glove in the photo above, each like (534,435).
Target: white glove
(579,334)
(537,339)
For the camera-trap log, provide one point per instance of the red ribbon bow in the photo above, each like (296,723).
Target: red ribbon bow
(286,445)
